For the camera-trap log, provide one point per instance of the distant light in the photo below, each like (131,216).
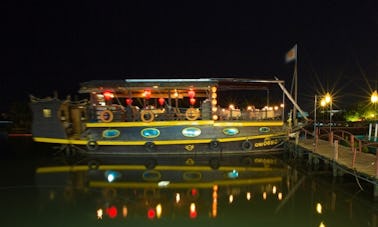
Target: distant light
(192,211)
(100,213)
(230,198)
(112,175)
(274,189)
(151,213)
(233,174)
(319,208)
(124,211)
(163,183)
(249,196)
(322,224)
(112,211)
(158,210)
(178,197)
(264,195)
(280,196)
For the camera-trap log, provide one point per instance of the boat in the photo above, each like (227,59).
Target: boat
(165,117)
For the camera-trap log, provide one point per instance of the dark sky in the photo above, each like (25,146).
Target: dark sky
(56,45)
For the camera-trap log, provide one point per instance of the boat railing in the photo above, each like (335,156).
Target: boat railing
(118,113)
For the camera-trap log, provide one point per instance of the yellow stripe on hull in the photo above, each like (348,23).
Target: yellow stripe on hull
(184,123)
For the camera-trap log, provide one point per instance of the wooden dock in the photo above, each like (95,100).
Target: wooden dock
(345,159)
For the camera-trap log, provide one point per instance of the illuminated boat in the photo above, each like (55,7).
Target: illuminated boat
(166,116)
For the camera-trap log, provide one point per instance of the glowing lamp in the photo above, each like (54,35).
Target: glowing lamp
(192,101)
(151,213)
(147,94)
(129,102)
(192,211)
(161,101)
(108,95)
(214,89)
(191,93)
(112,211)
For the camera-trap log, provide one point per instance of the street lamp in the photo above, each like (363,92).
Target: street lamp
(328,100)
(374,97)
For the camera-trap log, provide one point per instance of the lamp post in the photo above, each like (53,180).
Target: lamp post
(328,100)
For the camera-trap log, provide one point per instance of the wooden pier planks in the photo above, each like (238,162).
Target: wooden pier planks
(364,163)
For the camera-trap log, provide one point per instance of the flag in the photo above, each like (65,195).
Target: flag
(291,55)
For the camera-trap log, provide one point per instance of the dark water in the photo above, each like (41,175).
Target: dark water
(40,187)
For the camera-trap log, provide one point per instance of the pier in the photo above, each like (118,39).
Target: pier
(343,151)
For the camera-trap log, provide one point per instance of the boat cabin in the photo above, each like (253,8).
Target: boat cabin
(150,100)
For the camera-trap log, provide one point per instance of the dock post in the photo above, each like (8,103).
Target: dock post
(370,128)
(331,137)
(375,132)
(335,157)
(352,142)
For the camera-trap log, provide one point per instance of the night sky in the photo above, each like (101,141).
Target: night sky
(56,45)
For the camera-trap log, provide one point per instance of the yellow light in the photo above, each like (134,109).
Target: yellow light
(249,196)
(178,198)
(231,106)
(280,196)
(264,195)
(100,213)
(214,89)
(124,211)
(214,109)
(249,108)
(322,224)
(215,117)
(158,210)
(274,189)
(230,198)
(282,105)
(374,97)
(328,98)
(214,95)
(319,208)
(323,103)
(214,102)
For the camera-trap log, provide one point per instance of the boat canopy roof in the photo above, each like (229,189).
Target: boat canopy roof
(199,84)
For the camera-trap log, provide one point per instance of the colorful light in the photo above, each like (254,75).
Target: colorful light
(192,211)
(112,211)
(151,213)
(191,93)
(108,95)
(192,101)
(129,101)
(147,94)
(161,101)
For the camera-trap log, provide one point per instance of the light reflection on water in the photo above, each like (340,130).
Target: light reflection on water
(41,189)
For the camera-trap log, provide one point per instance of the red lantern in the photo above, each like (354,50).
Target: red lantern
(191,93)
(192,101)
(129,102)
(108,95)
(147,94)
(161,101)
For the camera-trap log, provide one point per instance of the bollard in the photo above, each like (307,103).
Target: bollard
(352,142)
(331,137)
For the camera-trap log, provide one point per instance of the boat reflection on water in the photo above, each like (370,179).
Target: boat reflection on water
(185,191)
(109,190)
